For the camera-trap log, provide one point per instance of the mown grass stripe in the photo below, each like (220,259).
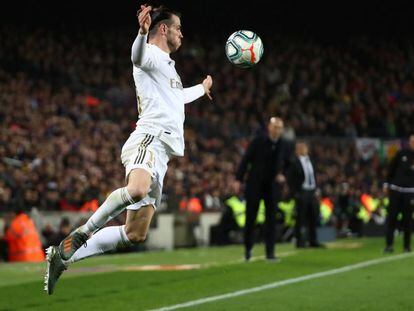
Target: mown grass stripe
(317,275)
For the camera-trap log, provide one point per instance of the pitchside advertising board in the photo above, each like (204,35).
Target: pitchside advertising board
(385,149)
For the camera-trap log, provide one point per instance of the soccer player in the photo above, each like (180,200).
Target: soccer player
(159,135)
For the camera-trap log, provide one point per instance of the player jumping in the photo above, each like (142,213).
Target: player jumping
(159,135)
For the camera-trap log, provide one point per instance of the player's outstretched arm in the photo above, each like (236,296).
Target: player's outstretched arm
(195,92)
(138,53)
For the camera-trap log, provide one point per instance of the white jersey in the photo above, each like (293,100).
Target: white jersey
(160,94)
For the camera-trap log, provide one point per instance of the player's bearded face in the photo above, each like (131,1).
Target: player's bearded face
(174,34)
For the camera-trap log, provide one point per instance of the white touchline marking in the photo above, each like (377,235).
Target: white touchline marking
(284,282)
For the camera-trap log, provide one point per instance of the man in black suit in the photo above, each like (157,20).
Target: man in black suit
(263,164)
(302,184)
(400,188)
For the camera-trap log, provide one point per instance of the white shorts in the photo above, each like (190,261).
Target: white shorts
(149,153)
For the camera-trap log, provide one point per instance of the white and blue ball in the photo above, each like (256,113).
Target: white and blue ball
(244,48)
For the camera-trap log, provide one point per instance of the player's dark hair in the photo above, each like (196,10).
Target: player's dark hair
(161,14)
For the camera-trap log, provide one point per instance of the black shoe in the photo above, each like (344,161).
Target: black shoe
(248,255)
(407,249)
(388,250)
(317,245)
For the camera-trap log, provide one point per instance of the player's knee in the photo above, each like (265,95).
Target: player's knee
(135,234)
(136,237)
(137,193)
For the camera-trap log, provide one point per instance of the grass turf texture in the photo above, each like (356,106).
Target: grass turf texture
(104,282)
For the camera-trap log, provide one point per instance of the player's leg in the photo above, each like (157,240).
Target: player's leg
(104,240)
(144,181)
(138,222)
(252,207)
(139,182)
(139,162)
(392,213)
(110,238)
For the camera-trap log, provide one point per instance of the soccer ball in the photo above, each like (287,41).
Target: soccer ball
(244,48)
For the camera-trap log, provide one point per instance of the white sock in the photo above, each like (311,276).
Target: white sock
(104,240)
(114,204)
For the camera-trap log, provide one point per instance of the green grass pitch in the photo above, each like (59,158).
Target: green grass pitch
(133,281)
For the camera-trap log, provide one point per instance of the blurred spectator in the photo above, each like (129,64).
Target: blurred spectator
(51,198)
(5,197)
(302,184)
(54,238)
(22,238)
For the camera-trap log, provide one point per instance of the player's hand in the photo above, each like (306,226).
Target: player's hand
(207,83)
(144,19)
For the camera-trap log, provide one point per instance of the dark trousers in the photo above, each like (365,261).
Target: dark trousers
(306,216)
(400,203)
(252,206)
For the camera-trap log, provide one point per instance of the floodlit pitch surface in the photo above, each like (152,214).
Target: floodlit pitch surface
(348,275)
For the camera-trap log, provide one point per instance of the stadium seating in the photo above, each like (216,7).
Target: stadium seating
(68,104)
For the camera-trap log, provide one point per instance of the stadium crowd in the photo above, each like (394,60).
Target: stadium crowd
(67,105)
